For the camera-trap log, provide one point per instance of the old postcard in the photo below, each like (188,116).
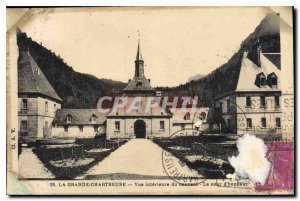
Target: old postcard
(150,101)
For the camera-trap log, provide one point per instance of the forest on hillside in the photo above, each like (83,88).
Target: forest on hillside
(79,90)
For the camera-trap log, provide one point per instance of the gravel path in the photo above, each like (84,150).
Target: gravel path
(138,157)
(30,167)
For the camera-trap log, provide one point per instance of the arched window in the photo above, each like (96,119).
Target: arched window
(187,116)
(262,80)
(69,118)
(272,80)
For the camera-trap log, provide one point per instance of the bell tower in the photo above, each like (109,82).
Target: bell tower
(139,85)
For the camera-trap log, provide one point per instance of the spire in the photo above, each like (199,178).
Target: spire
(139,53)
(139,63)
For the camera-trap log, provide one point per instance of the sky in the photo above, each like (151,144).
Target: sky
(176,43)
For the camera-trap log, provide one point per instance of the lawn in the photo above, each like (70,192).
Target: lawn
(208,154)
(71,160)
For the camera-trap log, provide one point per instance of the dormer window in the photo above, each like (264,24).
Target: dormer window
(69,118)
(272,80)
(202,116)
(139,84)
(261,80)
(93,118)
(187,116)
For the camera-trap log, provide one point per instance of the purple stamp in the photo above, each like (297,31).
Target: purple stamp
(281,175)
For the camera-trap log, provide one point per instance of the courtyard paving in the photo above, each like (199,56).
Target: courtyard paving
(30,167)
(138,158)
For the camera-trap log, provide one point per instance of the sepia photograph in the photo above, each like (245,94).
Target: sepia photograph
(150,101)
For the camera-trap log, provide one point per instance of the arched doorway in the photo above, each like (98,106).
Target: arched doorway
(140,129)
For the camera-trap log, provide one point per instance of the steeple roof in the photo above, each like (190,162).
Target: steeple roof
(139,53)
(139,82)
(31,79)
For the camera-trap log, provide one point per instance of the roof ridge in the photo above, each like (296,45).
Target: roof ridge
(31,78)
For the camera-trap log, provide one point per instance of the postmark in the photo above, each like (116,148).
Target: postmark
(187,162)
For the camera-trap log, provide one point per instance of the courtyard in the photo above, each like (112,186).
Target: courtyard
(197,157)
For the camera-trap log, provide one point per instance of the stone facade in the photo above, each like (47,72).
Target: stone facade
(37,100)
(79,123)
(78,131)
(255,105)
(240,118)
(36,119)
(154,127)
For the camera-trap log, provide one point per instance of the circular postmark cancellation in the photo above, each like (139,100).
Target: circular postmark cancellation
(179,171)
(189,158)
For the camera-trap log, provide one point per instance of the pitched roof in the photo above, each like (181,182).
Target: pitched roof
(131,108)
(241,76)
(139,84)
(31,79)
(250,70)
(79,117)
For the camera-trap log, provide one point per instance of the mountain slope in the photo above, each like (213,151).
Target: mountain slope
(80,90)
(77,90)
(224,78)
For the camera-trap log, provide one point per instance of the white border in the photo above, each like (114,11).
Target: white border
(26,3)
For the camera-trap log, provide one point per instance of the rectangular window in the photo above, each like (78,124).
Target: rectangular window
(69,118)
(228,105)
(80,128)
(221,106)
(249,123)
(117,125)
(262,101)
(182,126)
(24,104)
(277,103)
(96,128)
(54,107)
(66,128)
(46,106)
(263,122)
(248,101)
(162,125)
(23,126)
(228,122)
(278,122)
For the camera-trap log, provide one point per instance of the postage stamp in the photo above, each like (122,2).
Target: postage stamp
(216,117)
